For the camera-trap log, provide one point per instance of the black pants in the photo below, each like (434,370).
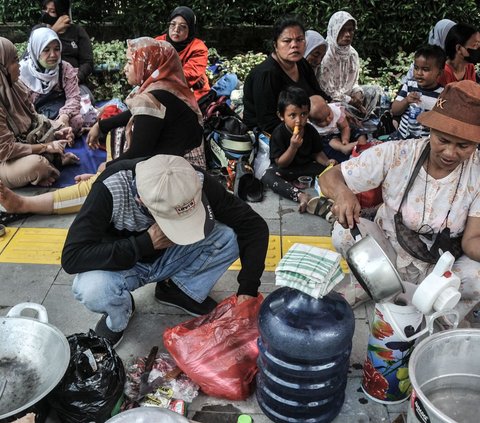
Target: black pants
(279,179)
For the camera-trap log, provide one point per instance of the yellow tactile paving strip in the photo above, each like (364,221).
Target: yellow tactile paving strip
(34,245)
(44,246)
(274,254)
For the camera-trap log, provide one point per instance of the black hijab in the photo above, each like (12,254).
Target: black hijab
(187,14)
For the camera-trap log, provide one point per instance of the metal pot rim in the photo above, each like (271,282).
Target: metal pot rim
(61,365)
(413,358)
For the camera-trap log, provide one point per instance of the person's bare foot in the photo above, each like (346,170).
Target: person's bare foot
(69,159)
(50,179)
(303,199)
(11,202)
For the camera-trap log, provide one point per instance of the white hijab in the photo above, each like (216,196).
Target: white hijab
(33,75)
(439,33)
(312,40)
(341,65)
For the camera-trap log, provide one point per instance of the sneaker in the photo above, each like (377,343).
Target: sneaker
(166,292)
(102,330)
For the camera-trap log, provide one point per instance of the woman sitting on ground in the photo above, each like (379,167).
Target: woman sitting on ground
(192,51)
(163,118)
(76,45)
(315,49)
(26,148)
(462,47)
(430,190)
(341,68)
(285,67)
(52,82)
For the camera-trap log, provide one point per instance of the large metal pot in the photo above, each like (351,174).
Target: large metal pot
(148,415)
(373,267)
(34,356)
(445,374)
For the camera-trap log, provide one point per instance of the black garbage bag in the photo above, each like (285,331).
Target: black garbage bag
(93,382)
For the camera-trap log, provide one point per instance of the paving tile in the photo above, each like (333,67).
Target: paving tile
(66,313)
(295,223)
(273,226)
(144,331)
(63,278)
(269,208)
(25,282)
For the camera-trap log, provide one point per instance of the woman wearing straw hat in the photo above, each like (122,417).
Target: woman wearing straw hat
(430,189)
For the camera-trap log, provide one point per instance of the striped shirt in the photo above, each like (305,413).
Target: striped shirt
(409,127)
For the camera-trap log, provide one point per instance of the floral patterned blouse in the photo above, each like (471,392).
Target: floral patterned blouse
(390,165)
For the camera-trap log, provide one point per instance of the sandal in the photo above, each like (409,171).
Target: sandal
(6,218)
(320,206)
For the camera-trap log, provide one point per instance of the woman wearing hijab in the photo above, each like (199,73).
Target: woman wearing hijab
(76,44)
(24,150)
(462,47)
(163,118)
(192,51)
(430,190)
(52,82)
(315,49)
(436,37)
(341,68)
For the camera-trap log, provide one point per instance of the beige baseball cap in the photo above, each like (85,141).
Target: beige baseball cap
(171,189)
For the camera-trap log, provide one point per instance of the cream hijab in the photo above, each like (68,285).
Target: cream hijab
(33,75)
(14,96)
(341,65)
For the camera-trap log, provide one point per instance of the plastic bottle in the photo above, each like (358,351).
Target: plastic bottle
(385,102)
(304,350)
(414,126)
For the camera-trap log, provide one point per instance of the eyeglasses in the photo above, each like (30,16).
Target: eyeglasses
(181,26)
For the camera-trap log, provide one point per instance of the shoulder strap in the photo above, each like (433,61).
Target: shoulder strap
(419,164)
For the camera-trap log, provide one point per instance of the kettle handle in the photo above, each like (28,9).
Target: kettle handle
(355,232)
(16,311)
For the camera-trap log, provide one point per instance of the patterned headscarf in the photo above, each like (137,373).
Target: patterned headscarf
(33,75)
(13,95)
(341,65)
(156,66)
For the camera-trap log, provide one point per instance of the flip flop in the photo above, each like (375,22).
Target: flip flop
(6,218)
(320,206)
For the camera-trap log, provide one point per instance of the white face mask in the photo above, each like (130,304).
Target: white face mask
(46,65)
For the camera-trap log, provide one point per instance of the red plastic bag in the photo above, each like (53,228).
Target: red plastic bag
(372,197)
(219,351)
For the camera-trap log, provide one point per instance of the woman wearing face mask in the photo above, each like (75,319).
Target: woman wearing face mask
(26,150)
(52,83)
(462,47)
(76,44)
(192,51)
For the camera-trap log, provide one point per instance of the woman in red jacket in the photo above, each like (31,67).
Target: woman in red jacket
(192,51)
